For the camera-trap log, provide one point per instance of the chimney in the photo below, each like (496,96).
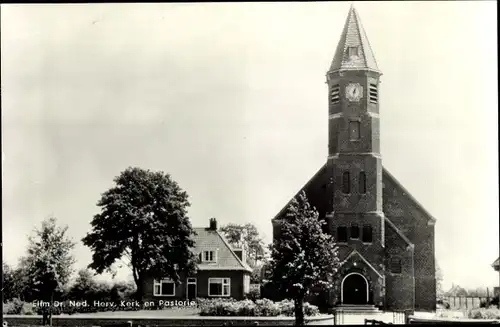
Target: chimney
(213,224)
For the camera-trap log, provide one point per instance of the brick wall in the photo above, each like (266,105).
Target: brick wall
(413,222)
(400,287)
(237,291)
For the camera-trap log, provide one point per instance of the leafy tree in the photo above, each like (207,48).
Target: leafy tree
(256,276)
(144,219)
(11,284)
(303,257)
(439,283)
(246,235)
(84,287)
(49,260)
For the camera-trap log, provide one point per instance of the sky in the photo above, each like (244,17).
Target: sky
(231,100)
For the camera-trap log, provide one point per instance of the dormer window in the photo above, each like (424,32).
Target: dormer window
(209,256)
(353,51)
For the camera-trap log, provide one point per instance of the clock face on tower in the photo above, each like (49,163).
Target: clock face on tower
(354,92)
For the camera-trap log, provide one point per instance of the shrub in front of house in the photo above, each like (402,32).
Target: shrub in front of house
(491,302)
(483,313)
(258,308)
(254,293)
(13,307)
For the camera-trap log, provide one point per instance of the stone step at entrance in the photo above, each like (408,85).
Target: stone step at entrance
(357,308)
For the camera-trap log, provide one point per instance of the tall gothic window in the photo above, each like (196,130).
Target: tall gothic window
(362,182)
(354,231)
(346,183)
(367,235)
(354,133)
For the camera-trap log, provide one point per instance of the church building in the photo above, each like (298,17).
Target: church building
(385,237)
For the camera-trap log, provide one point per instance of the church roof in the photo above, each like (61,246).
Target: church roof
(353,35)
(387,176)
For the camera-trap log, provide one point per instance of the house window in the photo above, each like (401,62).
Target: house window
(367,235)
(354,232)
(354,133)
(335,94)
(373,93)
(209,256)
(164,287)
(219,287)
(346,183)
(341,234)
(395,265)
(353,51)
(362,182)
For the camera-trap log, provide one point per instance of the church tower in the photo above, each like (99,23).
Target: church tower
(354,159)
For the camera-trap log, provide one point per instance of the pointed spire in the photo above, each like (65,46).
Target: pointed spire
(353,50)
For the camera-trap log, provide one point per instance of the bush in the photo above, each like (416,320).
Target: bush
(310,310)
(259,308)
(482,313)
(267,308)
(287,308)
(443,304)
(13,307)
(254,293)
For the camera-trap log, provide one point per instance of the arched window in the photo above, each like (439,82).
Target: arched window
(362,182)
(346,183)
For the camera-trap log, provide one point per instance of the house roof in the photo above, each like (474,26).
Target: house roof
(496,264)
(212,240)
(353,35)
(456,290)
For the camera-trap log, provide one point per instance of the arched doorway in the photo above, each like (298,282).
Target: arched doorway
(354,289)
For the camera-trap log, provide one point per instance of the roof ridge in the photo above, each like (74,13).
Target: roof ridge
(300,190)
(411,197)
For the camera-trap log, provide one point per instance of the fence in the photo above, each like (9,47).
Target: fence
(399,317)
(466,302)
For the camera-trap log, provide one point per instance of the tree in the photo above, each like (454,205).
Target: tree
(246,235)
(303,257)
(143,219)
(439,283)
(49,262)
(11,283)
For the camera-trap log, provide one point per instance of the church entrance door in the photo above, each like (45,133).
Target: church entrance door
(354,289)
